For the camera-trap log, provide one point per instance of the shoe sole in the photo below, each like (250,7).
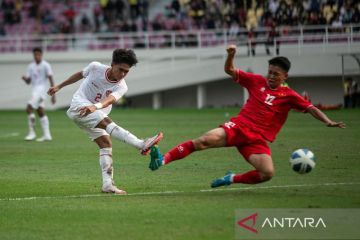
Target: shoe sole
(43,140)
(156,141)
(113,192)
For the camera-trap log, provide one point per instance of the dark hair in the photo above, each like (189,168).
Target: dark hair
(281,62)
(37,49)
(124,56)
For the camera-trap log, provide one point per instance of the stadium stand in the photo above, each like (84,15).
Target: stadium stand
(190,35)
(52,16)
(106,24)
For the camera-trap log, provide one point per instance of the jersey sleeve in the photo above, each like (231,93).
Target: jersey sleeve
(299,103)
(89,68)
(119,91)
(243,78)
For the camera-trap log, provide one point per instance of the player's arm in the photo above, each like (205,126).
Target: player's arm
(318,114)
(27,80)
(102,104)
(51,81)
(72,79)
(229,62)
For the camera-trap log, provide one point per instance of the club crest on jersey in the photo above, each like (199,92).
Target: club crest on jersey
(108,92)
(262,89)
(94,85)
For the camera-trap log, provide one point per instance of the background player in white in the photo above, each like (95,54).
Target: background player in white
(92,102)
(37,74)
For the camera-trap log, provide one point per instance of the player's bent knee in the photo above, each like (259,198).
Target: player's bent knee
(41,112)
(29,109)
(267,174)
(103,142)
(201,143)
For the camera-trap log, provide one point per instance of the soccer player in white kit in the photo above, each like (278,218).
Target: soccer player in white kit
(37,74)
(103,86)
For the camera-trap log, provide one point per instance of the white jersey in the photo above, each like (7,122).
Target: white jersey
(39,73)
(96,86)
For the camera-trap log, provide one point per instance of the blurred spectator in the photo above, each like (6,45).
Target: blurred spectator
(283,14)
(337,24)
(175,7)
(34,8)
(85,24)
(273,39)
(273,6)
(97,12)
(8,8)
(70,15)
(144,13)
(197,11)
(134,9)
(251,42)
(46,16)
(157,23)
(120,7)
(2,30)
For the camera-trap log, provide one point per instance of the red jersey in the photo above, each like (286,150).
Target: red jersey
(266,110)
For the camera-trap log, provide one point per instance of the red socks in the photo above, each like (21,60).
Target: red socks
(251,177)
(184,149)
(179,152)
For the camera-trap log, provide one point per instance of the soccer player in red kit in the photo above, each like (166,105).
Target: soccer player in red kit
(258,123)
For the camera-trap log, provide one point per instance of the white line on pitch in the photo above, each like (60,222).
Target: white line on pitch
(6,135)
(176,192)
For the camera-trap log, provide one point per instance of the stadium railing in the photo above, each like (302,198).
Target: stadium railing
(293,37)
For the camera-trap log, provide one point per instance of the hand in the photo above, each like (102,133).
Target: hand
(53,90)
(231,49)
(84,111)
(27,80)
(336,124)
(53,99)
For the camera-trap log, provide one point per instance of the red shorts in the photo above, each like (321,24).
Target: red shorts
(245,140)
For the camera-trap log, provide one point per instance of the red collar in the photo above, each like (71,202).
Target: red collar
(107,79)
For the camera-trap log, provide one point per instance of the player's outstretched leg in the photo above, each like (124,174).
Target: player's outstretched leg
(124,135)
(224,181)
(251,177)
(156,158)
(179,152)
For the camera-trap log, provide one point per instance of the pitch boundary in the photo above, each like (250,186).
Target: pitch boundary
(177,192)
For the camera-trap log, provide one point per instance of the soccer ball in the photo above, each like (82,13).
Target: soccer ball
(302,160)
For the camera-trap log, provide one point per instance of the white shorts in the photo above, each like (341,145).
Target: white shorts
(37,99)
(88,123)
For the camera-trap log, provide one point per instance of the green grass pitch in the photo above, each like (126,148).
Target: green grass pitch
(63,177)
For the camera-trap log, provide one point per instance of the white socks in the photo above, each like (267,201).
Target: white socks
(31,122)
(124,135)
(44,122)
(106,166)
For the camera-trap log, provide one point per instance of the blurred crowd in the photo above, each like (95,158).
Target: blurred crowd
(82,16)
(249,14)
